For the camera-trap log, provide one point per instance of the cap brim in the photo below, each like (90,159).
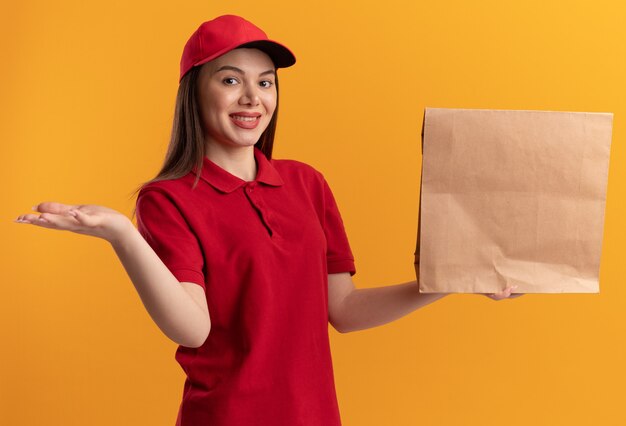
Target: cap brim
(280,55)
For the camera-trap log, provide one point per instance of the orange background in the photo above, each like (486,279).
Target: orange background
(87,96)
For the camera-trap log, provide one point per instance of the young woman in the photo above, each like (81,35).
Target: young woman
(239,258)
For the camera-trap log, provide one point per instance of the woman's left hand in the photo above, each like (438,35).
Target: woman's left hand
(507,293)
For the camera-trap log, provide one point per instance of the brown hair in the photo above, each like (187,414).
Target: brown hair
(187,146)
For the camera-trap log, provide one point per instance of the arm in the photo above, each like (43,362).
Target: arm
(351,309)
(179,309)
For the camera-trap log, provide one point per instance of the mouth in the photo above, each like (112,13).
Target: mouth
(246,120)
(241,118)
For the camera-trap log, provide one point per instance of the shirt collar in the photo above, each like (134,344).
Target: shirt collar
(226,182)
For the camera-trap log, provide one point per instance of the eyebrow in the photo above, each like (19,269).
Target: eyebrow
(240,71)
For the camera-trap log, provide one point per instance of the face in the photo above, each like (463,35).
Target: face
(237,97)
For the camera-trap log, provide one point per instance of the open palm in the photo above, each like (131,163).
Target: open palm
(87,219)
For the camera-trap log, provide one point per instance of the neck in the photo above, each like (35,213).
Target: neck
(238,161)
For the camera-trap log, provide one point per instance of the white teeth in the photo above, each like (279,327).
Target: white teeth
(240,118)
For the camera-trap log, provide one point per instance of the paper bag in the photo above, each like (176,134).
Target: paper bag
(512,198)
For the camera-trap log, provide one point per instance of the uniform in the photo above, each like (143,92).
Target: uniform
(262,250)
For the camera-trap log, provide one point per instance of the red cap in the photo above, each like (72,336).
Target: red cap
(223,34)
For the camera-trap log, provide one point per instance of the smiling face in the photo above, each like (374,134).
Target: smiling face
(237,97)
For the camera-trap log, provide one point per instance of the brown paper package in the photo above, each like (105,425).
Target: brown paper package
(512,198)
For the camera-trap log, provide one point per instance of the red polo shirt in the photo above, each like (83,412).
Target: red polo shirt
(262,250)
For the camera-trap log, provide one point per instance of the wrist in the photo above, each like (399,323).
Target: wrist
(123,234)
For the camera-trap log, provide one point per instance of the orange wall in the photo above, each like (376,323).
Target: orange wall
(87,93)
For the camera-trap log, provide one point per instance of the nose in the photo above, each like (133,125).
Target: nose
(250,95)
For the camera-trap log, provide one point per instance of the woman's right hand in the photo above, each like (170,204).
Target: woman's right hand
(87,219)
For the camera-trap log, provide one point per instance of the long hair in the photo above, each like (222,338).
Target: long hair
(187,146)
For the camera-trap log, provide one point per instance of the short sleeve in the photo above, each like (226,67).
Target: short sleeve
(162,225)
(339,255)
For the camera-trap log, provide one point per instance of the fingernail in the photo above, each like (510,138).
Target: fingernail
(35,207)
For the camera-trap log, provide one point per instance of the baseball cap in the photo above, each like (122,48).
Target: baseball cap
(221,35)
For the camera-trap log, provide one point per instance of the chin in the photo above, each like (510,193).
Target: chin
(244,144)
(247,141)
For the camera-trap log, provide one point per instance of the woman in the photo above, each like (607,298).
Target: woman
(239,258)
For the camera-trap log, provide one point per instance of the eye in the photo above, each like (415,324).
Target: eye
(266,84)
(230,81)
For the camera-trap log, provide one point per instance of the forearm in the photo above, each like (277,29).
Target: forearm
(168,303)
(371,307)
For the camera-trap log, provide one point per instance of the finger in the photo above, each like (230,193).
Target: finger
(55,208)
(82,218)
(26,218)
(496,296)
(503,294)
(53,221)
(30,218)
(508,292)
